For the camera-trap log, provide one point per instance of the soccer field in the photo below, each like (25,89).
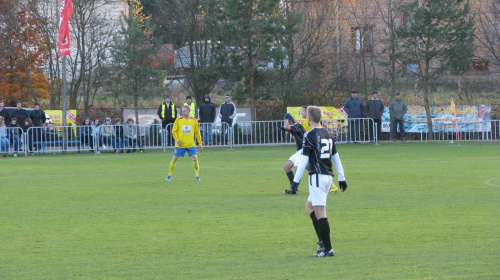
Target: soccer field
(411,211)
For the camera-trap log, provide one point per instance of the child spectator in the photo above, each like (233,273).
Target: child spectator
(118,135)
(130,135)
(14,135)
(4,140)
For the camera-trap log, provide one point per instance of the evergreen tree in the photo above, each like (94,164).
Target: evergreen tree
(438,38)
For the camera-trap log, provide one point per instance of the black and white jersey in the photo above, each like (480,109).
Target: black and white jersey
(298,131)
(319,146)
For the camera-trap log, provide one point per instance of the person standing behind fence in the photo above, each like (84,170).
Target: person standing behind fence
(167,113)
(227,112)
(189,102)
(355,110)
(107,133)
(4,113)
(27,131)
(14,135)
(130,135)
(38,117)
(207,115)
(96,133)
(86,136)
(4,140)
(118,135)
(374,110)
(20,114)
(398,109)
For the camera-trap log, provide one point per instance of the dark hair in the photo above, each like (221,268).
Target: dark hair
(118,120)
(354,91)
(30,122)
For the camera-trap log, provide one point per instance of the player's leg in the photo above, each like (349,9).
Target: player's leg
(196,164)
(312,215)
(288,170)
(319,186)
(178,152)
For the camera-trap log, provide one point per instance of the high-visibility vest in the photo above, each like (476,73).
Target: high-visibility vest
(163,105)
(192,113)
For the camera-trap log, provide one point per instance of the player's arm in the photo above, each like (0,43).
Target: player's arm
(198,135)
(303,161)
(340,171)
(175,131)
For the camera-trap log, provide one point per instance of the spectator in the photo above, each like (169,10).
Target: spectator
(207,115)
(355,110)
(29,135)
(4,140)
(227,111)
(398,109)
(38,117)
(4,113)
(20,114)
(107,133)
(118,135)
(375,109)
(86,136)
(167,114)
(96,133)
(14,135)
(189,102)
(130,135)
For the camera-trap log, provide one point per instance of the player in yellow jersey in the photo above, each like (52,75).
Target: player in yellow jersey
(184,130)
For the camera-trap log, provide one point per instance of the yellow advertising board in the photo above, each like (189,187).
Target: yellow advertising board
(328,113)
(56,117)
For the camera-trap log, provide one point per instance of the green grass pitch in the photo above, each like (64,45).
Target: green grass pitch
(411,211)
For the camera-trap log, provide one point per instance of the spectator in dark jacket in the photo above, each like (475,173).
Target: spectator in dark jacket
(374,110)
(86,135)
(355,110)
(4,113)
(14,135)
(29,135)
(118,135)
(227,111)
(38,117)
(20,114)
(207,115)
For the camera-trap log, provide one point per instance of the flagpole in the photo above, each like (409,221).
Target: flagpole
(65,89)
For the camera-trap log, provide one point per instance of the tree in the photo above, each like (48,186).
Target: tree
(248,29)
(132,53)
(24,54)
(488,28)
(440,38)
(186,19)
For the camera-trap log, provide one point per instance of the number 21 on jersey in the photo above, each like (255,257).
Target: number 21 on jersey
(326,148)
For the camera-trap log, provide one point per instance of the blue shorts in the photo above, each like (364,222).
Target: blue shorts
(181,151)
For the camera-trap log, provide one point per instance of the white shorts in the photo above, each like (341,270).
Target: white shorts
(295,158)
(318,190)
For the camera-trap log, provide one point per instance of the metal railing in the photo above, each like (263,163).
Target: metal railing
(124,138)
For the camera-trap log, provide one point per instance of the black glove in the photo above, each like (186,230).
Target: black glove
(343,185)
(282,128)
(288,116)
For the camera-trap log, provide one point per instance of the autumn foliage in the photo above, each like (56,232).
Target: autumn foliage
(24,52)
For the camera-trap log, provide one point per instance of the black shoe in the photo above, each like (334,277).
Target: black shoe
(324,253)
(290,191)
(129,151)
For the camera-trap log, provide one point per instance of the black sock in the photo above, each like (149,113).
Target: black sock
(290,176)
(324,233)
(315,224)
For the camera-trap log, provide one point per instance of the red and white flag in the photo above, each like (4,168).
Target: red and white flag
(66,11)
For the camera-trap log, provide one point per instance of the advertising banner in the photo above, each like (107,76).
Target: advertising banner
(470,118)
(56,117)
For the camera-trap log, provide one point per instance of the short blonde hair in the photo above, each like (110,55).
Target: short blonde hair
(314,113)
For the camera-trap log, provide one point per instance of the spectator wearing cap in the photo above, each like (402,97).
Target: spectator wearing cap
(20,114)
(108,134)
(38,118)
(227,111)
(398,109)
(355,110)
(189,102)
(374,110)
(167,113)
(207,113)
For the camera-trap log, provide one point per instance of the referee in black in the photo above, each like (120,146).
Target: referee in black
(318,150)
